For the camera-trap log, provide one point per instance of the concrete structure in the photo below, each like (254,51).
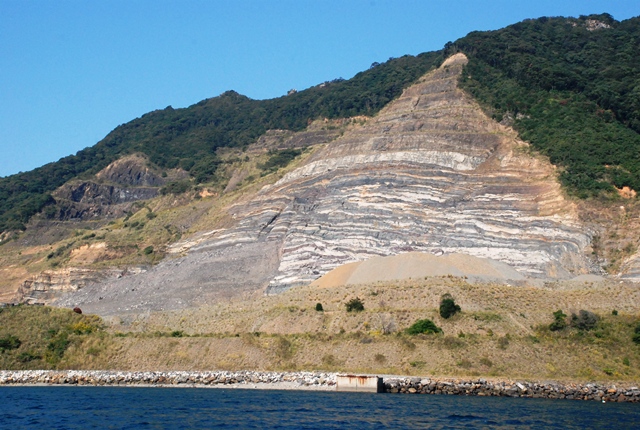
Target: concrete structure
(360,383)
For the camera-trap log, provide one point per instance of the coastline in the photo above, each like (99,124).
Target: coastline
(322,381)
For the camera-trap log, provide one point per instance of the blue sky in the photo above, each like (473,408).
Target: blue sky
(72,70)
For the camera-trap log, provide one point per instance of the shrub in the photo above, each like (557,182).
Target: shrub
(424,326)
(585,320)
(148,250)
(9,342)
(559,322)
(448,306)
(177,333)
(380,358)
(58,346)
(28,356)
(486,362)
(177,187)
(636,335)
(354,305)
(319,307)
(82,327)
(503,342)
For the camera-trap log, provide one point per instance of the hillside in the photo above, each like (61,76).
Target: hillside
(501,171)
(571,87)
(501,332)
(250,194)
(189,138)
(430,173)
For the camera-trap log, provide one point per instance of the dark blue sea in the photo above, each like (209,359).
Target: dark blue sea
(187,408)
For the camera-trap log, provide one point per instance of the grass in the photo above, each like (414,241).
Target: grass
(285,332)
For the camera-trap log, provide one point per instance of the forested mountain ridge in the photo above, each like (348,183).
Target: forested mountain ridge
(189,137)
(570,86)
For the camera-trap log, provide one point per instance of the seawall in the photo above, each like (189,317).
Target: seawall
(326,381)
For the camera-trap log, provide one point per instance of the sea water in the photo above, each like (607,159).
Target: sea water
(186,408)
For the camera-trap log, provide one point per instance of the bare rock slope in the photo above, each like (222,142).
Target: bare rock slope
(431,173)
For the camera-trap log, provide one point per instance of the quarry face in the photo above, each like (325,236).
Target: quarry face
(430,173)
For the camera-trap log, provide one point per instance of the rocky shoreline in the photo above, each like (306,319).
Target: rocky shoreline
(225,379)
(538,390)
(323,381)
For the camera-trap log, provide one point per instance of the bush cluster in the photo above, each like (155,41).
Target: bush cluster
(424,326)
(448,306)
(636,334)
(355,305)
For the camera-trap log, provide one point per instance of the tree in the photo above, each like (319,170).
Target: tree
(355,305)
(559,321)
(448,306)
(585,320)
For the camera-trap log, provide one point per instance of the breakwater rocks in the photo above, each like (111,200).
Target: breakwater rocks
(323,381)
(249,379)
(482,387)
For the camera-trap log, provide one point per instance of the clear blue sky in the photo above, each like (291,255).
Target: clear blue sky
(72,70)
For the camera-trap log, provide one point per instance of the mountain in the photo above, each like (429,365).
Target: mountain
(189,138)
(447,153)
(429,173)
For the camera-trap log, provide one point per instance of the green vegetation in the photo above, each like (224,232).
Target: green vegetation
(355,305)
(9,342)
(189,138)
(424,326)
(39,337)
(177,187)
(319,307)
(572,91)
(636,334)
(585,320)
(278,159)
(559,321)
(448,306)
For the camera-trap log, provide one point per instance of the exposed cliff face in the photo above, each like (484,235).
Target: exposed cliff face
(51,284)
(430,173)
(112,191)
(132,171)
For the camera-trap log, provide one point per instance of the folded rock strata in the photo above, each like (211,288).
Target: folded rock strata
(430,173)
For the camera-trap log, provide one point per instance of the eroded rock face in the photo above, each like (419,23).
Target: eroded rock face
(431,173)
(111,192)
(131,171)
(92,193)
(50,284)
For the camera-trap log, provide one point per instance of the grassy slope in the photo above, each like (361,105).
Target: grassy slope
(501,332)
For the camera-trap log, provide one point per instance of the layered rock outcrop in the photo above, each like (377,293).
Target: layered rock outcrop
(431,173)
(114,188)
(51,284)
